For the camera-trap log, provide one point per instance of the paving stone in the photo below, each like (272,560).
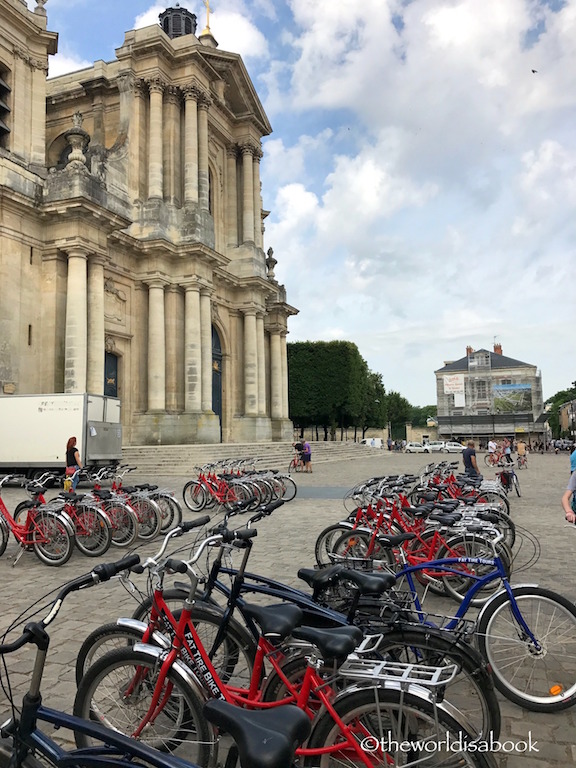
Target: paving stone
(285,543)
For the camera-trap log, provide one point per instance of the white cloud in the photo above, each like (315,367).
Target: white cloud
(62,64)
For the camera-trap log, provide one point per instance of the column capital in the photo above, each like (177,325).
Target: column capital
(126,82)
(248,148)
(172,94)
(191,91)
(249,311)
(156,282)
(140,87)
(156,84)
(204,101)
(232,151)
(77,252)
(190,285)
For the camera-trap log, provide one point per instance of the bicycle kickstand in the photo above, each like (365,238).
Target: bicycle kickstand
(19,555)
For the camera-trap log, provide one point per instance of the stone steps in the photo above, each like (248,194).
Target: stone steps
(181,459)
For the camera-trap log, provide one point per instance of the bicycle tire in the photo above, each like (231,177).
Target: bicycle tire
(378,713)
(59,544)
(518,667)
(170,511)
(516,484)
(326,540)
(290,489)
(7,747)
(123,521)
(149,518)
(499,500)
(95,537)
(473,545)
(4,536)
(179,725)
(352,548)
(194,496)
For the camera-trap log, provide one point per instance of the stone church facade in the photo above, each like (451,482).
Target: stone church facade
(132,258)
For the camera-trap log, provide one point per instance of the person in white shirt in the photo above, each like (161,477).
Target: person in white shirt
(492,446)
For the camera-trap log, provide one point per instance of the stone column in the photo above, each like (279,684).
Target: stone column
(250,364)
(247,194)
(276,375)
(232,196)
(75,361)
(21,113)
(206,348)
(203,175)
(257,199)
(192,350)
(173,347)
(172,146)
(156,347)
(38,118)
(155,139)
(261,364)
(137,141)
(284,359)
(96,344)
(191,144)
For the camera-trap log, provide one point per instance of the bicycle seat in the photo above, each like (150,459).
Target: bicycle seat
(276,620)
(368,583)
(71,496)
(266,738)
(129,489)
(445,518)
(394,541)
(102,494)
(146,487)
(333,646)
(319,579)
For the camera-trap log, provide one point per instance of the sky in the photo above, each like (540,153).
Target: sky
(421,173)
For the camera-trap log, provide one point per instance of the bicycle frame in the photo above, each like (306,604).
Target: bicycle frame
(187,645)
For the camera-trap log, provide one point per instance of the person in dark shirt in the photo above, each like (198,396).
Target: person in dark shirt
(73,462)
(469,459)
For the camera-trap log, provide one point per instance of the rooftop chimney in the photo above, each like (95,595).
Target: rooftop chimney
(469,351)
(497,349)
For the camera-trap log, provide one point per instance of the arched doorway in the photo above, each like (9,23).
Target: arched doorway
(217,377)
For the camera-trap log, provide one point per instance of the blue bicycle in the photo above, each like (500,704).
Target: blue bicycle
(527,633)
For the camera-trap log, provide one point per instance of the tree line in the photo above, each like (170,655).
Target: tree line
(332,388)
(564,396)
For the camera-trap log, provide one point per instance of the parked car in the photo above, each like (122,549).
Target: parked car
(452,447)
(372,442)
(416,448)
(435,446)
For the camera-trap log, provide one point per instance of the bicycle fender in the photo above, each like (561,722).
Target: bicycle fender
(416,690)
(180,669)
(500,592)
(140,626)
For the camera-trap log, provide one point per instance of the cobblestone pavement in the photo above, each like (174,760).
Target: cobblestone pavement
(285,542)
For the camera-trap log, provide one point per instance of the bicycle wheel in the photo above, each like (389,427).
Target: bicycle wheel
(289,487)
(472,690)
(4,536)
(117,692)
(543,678)
(149,518)
(475,546)
(325,543)
(516,484)
(93,531)
(52,541)
(170,511)
(498,500)
(488,460)
(108,637)
(435,735)
(194,495)
(123,521)
(355,549)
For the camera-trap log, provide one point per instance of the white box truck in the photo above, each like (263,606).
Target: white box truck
(34,431)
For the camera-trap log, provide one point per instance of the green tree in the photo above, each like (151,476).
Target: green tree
(399,412)
(564,396)
(375,411)
(419,414)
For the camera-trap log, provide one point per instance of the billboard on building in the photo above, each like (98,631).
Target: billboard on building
(512,398)
(454,385)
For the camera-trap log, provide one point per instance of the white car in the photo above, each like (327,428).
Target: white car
(416,448)
(452,447)
(435,446)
